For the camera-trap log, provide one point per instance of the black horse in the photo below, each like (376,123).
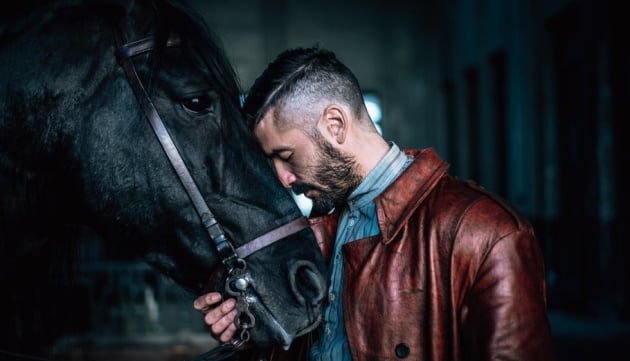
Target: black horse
(79,155)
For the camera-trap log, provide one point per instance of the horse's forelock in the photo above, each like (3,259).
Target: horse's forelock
(177,17)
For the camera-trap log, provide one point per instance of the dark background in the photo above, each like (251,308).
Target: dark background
(526,97)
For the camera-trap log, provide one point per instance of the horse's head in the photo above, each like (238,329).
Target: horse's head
(76,148)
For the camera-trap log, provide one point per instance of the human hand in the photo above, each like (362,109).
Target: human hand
(219,317)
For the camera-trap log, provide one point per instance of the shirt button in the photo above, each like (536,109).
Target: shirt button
(402,350)
(331,296)
(327,330)
(351,222)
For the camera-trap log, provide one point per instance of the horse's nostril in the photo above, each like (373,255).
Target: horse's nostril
(307,283)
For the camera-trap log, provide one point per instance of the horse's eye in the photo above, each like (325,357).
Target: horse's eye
(199,104)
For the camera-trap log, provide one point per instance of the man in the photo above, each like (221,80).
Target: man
(423,266)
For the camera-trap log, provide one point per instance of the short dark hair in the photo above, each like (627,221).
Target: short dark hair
(309,73)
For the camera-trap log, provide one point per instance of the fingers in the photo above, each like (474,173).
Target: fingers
(203,303)
(224,328)
(221,320)
(219,317)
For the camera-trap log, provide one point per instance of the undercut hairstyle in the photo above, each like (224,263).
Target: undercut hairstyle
(299,83)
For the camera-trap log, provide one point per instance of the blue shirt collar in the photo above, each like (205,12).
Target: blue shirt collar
(378,179)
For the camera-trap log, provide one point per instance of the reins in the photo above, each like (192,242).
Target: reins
(238,278)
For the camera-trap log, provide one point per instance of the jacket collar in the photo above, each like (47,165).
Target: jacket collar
(396,204)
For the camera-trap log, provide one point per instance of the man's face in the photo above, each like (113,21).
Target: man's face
(313,167)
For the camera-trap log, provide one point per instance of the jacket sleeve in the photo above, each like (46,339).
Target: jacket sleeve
(503,313)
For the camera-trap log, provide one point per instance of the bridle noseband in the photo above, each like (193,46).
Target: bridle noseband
(238,278)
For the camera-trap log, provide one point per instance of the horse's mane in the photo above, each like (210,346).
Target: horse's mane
(171,16)
(177,16)
(210,47)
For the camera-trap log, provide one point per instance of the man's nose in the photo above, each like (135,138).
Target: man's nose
(287,178)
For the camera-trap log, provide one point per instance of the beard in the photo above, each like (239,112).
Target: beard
(335,176)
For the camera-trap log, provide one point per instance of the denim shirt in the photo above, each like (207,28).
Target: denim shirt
(358,220)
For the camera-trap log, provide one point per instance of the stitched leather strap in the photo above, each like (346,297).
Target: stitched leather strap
(272,236)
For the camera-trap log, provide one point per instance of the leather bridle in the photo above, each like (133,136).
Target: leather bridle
(238,278)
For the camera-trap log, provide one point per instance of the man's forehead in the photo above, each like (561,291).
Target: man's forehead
(265,124)
(274,139)
(267,133)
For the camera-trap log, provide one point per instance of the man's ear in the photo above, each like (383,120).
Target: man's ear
(334,122)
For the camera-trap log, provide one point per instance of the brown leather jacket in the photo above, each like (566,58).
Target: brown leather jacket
(456,274)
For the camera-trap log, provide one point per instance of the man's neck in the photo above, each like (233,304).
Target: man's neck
(369,149)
